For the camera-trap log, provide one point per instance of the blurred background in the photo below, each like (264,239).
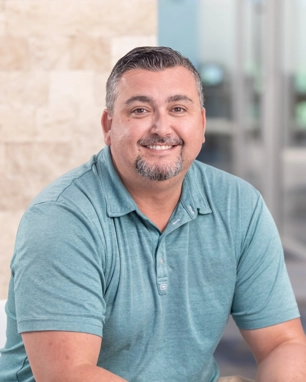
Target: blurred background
(251,54)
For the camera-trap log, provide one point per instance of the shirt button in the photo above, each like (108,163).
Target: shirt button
(161,261)
(163,286)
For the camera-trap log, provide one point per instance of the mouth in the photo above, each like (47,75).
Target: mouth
(155,147)
(160,144)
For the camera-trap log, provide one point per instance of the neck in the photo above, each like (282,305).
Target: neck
(157,199)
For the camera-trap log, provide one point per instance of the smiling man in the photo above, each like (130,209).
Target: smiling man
(127,268)
(155,130)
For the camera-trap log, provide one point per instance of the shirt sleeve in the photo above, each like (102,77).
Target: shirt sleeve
(57,271)
(263,294)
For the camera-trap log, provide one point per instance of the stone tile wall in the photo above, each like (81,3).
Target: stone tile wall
(55,57)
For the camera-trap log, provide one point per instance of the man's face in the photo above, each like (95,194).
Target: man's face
(157,126)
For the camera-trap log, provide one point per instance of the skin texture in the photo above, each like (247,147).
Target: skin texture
(65,357)
(150,105)
(164,106)
(280,352)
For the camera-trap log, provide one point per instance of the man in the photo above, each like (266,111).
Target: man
(127,268)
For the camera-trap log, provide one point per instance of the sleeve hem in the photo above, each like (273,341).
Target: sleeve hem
(65,326)
(252,324)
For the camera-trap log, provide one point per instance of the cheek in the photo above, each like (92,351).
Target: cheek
(196,147)
(118,134)
(124,143)
(193,143)
(193,136)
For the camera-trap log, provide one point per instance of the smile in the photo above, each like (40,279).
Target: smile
(159,147)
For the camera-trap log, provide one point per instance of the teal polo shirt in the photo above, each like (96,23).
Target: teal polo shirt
(87,260)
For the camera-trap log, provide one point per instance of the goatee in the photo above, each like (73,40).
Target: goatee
(162,171)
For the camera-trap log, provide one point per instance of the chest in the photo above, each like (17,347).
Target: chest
(154,280)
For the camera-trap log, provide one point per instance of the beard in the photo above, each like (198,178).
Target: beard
(159,172)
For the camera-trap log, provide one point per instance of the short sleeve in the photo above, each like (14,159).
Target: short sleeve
(57,271)
(263,294)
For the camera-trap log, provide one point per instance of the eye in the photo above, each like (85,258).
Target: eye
(178,109)
(139,110)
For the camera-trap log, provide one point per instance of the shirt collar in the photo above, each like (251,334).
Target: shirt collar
(193,196)
(120,202)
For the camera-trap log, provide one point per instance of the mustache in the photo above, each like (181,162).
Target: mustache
(161,140)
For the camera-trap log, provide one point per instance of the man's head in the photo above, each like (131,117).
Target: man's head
(155,121)
(148,58)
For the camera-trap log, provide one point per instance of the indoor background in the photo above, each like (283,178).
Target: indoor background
(251,54)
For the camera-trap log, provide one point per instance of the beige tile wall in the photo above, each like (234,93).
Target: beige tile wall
(55,57)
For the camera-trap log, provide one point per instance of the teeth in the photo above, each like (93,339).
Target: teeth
(159,147)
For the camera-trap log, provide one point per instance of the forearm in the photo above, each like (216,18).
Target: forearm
(81,373)
(89,373)
(285,363)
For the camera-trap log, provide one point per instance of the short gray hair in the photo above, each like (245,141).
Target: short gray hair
(148,58)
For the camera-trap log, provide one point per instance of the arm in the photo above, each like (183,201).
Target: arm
(58,259)
(66,357)
(280,351)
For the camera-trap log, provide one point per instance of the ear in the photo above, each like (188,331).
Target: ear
(203,123)
(106,122)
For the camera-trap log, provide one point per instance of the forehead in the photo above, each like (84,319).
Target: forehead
(157,84)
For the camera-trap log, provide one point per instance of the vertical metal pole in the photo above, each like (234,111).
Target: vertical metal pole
(272,128)
(239,93)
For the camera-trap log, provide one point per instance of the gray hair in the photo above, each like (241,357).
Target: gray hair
(148,58)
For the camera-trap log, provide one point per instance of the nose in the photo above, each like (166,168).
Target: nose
(161,124)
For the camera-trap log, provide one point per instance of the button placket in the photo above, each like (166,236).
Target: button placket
(161,268)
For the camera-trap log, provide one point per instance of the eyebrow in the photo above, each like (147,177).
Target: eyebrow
(179,97)
(146,99)
(139,98)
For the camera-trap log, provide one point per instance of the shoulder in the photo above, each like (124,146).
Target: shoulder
(74,203)
(74,184)
(236,205)
(222,189)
